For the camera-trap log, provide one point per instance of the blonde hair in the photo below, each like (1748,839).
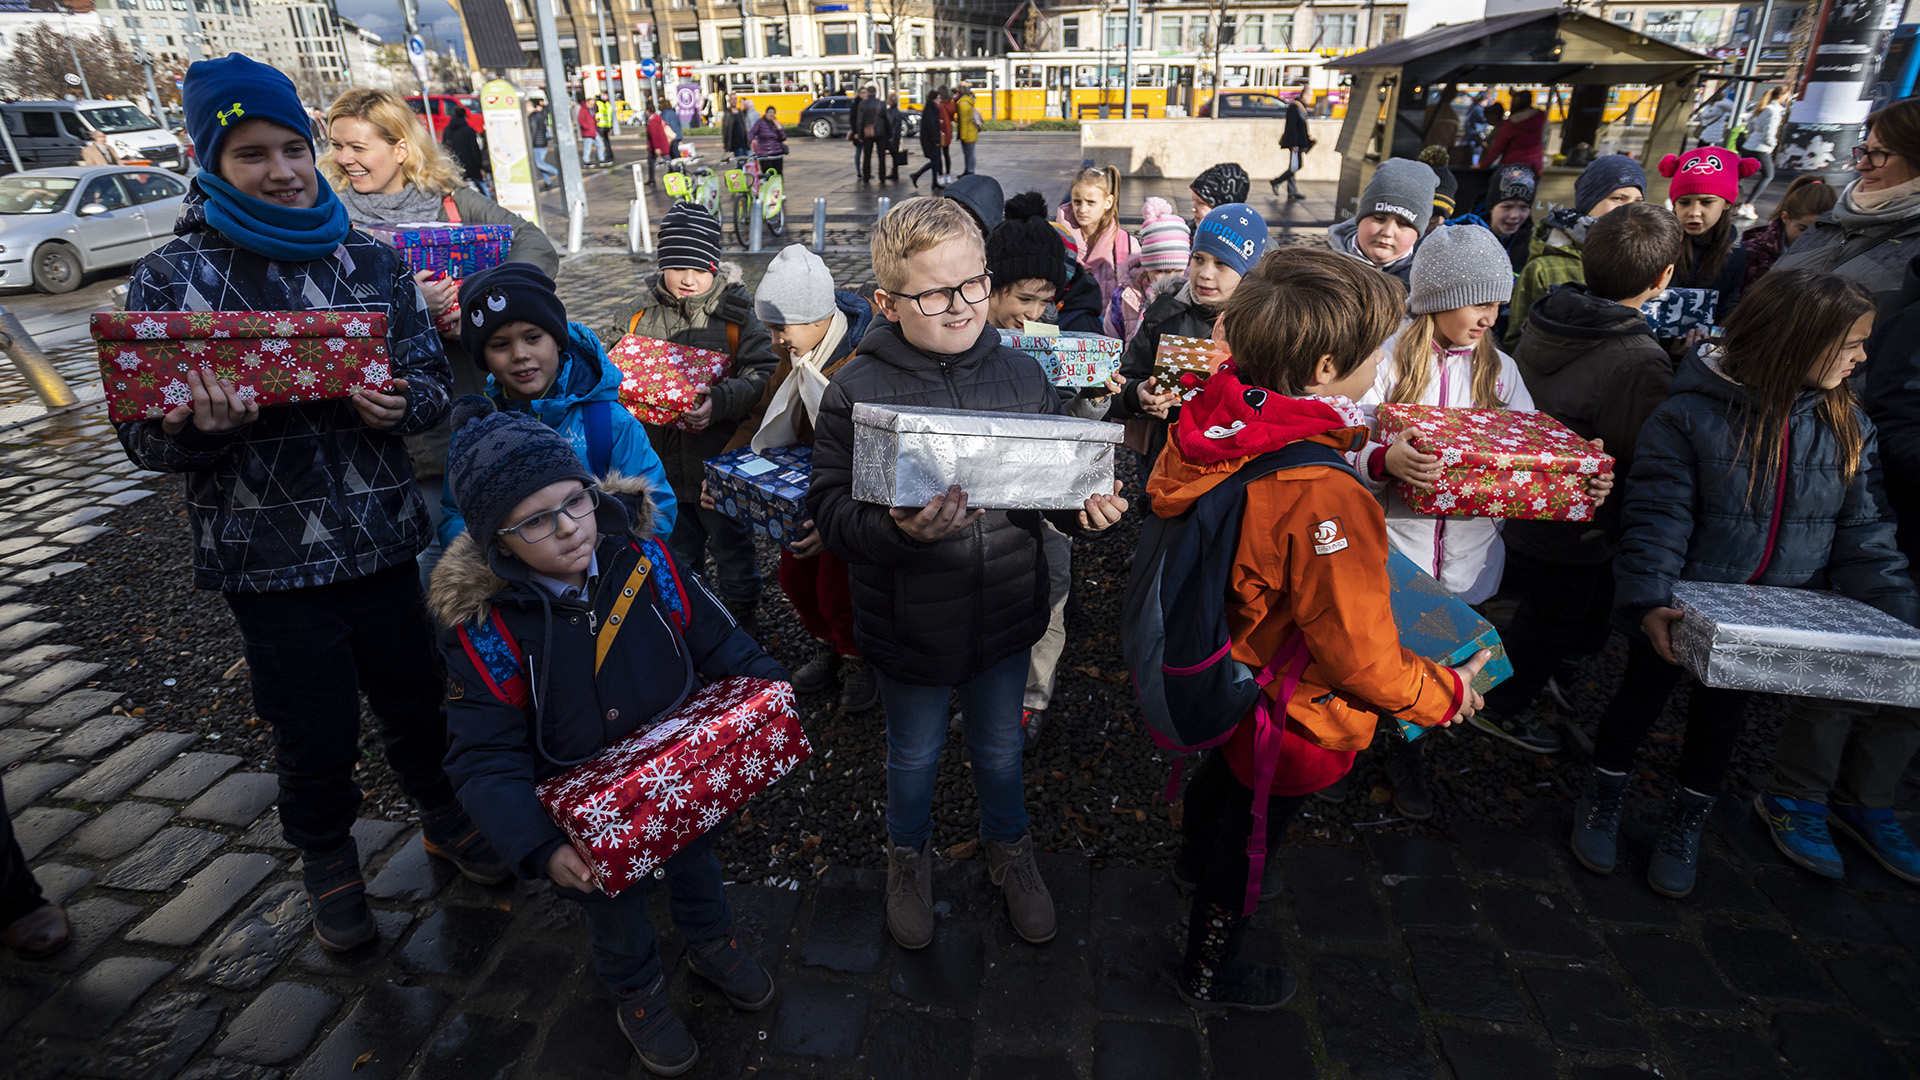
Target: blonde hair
(426,166)
(918,225)
(1413,362)
(1107,179)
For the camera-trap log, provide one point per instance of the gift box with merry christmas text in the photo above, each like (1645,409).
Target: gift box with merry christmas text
(270,357)
(451,249)
(647,796)
(1070,357)
(1185,363)
(1498,463)
(659,380)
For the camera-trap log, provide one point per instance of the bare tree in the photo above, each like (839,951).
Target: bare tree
(40,63)
(896,16)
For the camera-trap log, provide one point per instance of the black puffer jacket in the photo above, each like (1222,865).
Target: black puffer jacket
(1173,310)
(933,614)
(1688,517)
(1728,282)
(1594,366)
(1890,391)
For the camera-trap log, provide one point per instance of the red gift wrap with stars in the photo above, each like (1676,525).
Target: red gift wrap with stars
(659,380)
(270,357)
(1498,464)
(644,798)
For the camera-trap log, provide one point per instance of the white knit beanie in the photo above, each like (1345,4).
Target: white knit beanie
(1458,266)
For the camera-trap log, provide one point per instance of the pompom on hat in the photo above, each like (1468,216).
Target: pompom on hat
(1707,170)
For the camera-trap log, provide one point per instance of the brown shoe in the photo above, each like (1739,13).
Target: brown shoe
(40,932)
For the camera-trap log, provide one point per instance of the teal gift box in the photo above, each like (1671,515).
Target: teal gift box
(1440,626)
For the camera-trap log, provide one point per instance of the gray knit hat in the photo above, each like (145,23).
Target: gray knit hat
(1401,187)
(1456,266)
(498,458)
(797,288)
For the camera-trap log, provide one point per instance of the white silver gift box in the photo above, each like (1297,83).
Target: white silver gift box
(1805,642)
(1003,461)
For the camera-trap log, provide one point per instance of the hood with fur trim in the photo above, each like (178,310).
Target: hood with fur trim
(468,577)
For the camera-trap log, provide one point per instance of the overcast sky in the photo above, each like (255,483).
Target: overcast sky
(383,17)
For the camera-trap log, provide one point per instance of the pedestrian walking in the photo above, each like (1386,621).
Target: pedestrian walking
(966,116)
(932,124)
(1763,134)
(603,119)
(869,123)
(540,136)
(463,143)
(946,136)
(659,140)
(769,141)
(589,132)
(1518,138)
(734,134)
(896,126)
(1296,138)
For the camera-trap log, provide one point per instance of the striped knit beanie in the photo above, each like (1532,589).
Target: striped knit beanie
(1164,243)
(1067,238)
(689,239)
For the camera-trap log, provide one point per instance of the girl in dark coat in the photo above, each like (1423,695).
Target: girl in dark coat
(1759,469)
(930,117)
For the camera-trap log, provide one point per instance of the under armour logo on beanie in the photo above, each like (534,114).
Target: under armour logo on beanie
(689,239)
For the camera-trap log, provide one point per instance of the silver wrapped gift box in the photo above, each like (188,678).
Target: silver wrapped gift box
(1795,641)
(1004,461)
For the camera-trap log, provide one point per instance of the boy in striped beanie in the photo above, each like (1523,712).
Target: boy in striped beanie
(1162,253)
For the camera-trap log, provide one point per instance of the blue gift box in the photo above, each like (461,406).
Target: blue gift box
(453,250)
(1072,357)
(1438,625)
(768,492)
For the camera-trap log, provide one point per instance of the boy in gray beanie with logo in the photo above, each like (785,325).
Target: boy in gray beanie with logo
(1393,215)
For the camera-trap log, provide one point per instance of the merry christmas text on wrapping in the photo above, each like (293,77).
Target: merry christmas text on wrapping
(767,491)
(271,357)
(454,250)
(1498,463)
(1070,358)
(650,794)
(659,380)
(1003,461)
(1193,357)
(1805,642)
(1438,625)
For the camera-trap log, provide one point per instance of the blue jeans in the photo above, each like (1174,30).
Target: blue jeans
(916,731)
(540,161)
(966,151)
(620,934)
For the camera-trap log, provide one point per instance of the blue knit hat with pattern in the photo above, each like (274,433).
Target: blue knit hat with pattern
(1235,234)
(495,459)
(217,95)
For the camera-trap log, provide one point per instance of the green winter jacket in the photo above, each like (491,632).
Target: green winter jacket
(1553,259)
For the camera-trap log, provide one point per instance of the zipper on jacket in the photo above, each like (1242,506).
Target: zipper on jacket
(977,533)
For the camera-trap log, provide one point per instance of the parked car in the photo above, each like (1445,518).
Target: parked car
(134,135)
(1250,106)
(442,109)
(58,225)
(832,115)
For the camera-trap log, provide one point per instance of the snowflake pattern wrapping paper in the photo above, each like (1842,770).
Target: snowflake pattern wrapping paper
(1003,461)
(1498,464)
(767,491)
(272,357)
(451,250)
(1805,642)
(1072,358)
(1438,625)
(660,380)
(650,794)
(1185,362)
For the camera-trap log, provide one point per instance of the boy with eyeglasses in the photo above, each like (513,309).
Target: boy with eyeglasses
(944,598)
(532,591)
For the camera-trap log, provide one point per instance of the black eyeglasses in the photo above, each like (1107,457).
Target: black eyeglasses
(1872,159)
(972,290)
(545,523)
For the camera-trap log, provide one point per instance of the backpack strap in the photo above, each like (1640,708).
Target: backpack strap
(637,580)
(452,211)
(633,324)
(667,584)
(495,654)
(599,425)
(733,341)
(1291,661)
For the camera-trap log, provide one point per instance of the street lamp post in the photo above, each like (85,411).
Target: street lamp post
(606,66)
(194,35)
(75,53)
(145,60)
(565,130)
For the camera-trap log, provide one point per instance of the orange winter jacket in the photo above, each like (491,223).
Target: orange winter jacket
(1312,557)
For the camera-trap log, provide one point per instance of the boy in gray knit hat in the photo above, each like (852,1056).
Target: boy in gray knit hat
(1392,216)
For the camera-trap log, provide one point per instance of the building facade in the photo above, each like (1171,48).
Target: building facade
(171,31)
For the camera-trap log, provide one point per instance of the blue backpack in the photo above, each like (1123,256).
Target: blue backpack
(1179,649)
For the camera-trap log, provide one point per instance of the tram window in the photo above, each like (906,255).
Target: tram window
(1149,75)
(1238,75)
(1026,78)
(1086,75)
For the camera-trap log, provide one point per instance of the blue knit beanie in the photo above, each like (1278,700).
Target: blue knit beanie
(510,292)
(1602,177)
(495,459)
(217,95)
(1235,234)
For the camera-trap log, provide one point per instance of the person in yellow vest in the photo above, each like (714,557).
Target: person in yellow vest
(966,124)
(603,116)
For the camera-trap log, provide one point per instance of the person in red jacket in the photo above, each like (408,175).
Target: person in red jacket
(1518,139)
(589,133)
(659,140)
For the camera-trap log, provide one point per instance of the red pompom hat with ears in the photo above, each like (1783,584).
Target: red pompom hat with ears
(1707,170)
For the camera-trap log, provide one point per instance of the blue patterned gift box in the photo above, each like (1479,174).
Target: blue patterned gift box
(768,492)
(454,251)
(1072,358)
(1438,625)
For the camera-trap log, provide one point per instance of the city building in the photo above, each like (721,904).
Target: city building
(171,31)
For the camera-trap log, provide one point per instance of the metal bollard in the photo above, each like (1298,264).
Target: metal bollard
(886,204)
(576,226)
(819,226)
(755,211)
(33,364)
(636,231)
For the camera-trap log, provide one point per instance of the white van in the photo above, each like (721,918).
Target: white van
(132,133)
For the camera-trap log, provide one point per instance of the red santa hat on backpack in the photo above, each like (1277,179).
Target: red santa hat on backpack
(1707,170)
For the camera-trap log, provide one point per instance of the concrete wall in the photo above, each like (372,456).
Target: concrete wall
(1182,149)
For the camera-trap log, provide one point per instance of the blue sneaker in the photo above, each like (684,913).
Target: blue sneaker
(1799,830)
(1882,835)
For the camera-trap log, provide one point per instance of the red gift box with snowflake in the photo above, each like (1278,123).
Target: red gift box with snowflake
(659,380)
(272,357)
(1499,464)
(651,794)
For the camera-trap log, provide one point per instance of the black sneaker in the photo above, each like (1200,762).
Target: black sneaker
(448,833)
(341,918)
(726,965)
(858,690)
(1527,734)
(1408,771)
(1335,792)
(819,671)
(663,1042)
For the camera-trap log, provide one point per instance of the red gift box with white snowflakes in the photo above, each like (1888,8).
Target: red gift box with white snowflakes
(650,794)
(1498,463)
(659,380)
(272,357)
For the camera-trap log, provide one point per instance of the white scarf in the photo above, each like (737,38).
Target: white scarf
(802,389)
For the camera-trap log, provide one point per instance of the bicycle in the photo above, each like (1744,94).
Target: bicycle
(744,180)
(687,180)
